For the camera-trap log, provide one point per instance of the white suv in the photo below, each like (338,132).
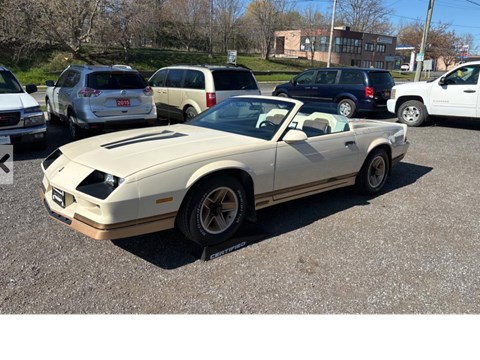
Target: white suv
(183,91)
(21,118)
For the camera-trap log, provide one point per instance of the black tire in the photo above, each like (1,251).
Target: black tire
(347,107)
(189,113)
(412,113)
(52,118)
(203,216)
(282,94)
(374,172)
(76,132)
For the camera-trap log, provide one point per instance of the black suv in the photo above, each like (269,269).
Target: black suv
(353,89)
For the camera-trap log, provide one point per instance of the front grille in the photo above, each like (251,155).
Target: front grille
(9,118)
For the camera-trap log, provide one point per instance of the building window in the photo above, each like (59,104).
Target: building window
(347,45)
(367,63)
(356,62)
(369,47)
(380,48)
(379,64)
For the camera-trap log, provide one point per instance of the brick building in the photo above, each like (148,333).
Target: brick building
(350,48)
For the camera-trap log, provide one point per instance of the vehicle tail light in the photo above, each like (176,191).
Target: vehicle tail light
(88,92)
(369,92)
(211,99)
(148,91)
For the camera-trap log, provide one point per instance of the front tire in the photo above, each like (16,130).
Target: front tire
(374,173)
(412,113)
(347,107)
(76,132)
(52,118)
(213,211)
(282,94)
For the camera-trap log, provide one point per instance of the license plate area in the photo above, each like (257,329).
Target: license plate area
(58,196)
(123,102)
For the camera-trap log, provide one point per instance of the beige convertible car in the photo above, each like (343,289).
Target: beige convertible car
(210,174)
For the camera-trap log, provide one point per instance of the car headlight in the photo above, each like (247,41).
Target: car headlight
(99,184)
(393,94)
(34,120)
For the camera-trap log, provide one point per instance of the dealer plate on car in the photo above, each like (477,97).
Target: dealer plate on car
(123,102)
(58,196)
(4,140)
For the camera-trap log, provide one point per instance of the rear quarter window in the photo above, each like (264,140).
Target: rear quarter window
(115,81)
(380,78)
(233,80)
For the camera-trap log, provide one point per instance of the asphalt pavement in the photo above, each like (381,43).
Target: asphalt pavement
(415,248)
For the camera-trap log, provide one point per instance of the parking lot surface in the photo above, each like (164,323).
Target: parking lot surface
(415,248)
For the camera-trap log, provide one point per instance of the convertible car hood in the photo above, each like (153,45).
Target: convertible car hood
(127,152)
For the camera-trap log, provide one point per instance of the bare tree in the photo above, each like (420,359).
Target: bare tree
(189,21)
(365,15)
(265,17)
(227,13)
(313,21)
(69,23)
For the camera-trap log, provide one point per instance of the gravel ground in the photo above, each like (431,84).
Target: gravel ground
(413,249)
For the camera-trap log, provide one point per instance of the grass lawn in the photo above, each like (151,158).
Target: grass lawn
(47,66)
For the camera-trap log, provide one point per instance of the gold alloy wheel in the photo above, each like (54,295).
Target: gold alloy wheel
(219,210)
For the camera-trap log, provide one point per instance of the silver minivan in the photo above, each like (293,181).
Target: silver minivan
(183,91)
(100,98)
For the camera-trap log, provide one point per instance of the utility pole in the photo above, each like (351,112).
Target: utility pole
(421,54)
(210,37)
(330,44)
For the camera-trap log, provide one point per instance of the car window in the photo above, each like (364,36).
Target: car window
(466,75)
(380,78)
(232,80)
(8,83)
(325,77)
(259,118)
(174,78)
(305,78)
(158,79)
(194,79)
(71,79)
(62,78)
(107,80)
(351,77)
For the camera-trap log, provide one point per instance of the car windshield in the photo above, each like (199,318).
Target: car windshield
(259,118)
(8,83)
(115,80)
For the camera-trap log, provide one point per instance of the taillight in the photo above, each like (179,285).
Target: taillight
(148,91)
(88,92)
(211,99)
(369,92)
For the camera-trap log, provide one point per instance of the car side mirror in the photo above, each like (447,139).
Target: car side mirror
(293,82)
(294,135)
(49,83)
(30,88)
(441,82)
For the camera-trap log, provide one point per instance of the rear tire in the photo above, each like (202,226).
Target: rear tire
(347,107)
(213,211)
(374,173)
(412,113)
(190,113)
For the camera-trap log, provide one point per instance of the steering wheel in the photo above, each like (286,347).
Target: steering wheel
(265,123)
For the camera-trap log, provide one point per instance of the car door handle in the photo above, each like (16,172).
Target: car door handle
(348,143)
(469,91)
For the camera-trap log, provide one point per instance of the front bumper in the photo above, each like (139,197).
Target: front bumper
(26,135)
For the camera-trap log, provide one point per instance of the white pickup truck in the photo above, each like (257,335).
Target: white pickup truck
(455,94)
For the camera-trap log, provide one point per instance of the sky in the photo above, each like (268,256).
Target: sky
(462,15)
